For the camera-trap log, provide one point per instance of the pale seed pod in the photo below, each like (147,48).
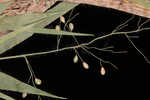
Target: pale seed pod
(102,71)
(24,95)
(38,81)
(75,59)
(71,26)
(62,19)
(57,28)
(85,65)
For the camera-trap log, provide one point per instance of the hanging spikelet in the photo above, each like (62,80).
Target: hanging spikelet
(24,95)
(71,26)
(62,19)
(58,27)
(102,71)
(75,59)
(38,81)
(85,65)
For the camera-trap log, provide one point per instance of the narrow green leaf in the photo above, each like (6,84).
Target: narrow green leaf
(14,38)
(55,32)
(6,97)
(8,27)
(12,84)
(43,31)
(4,6)
(21,20)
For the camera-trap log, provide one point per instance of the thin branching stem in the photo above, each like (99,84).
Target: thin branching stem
(29,67)
(108,62)
(146,59)
(123,25)
(72,47)
(105,50)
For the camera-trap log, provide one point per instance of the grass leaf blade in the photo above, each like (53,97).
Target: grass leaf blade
(6,97)
(12,84)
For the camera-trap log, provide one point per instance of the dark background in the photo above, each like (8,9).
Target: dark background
(62,77)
